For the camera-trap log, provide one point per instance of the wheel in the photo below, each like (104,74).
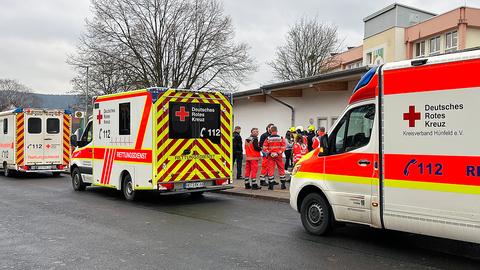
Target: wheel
(127,188)
(317,218)
(196,195)
(77,181)
(56,174)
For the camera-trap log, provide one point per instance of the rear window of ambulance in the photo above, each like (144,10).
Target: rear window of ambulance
(53,126)
(34,125)
(194,121)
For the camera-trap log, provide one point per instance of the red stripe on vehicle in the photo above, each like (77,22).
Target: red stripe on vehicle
(443,76)
(144,122)
(102,99)
(459,170)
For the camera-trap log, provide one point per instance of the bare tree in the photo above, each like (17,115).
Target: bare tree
(14,94)
(165,43)
(307,51)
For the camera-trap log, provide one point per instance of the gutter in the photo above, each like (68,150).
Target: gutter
(283,103)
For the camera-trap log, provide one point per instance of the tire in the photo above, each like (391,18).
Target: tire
(196,195)
(77,182)
(127,187)
(316,215)
(56,174)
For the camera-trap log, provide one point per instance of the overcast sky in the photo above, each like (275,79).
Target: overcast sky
(36,36)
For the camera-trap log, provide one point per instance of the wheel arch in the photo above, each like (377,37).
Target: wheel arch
(124,173)
(312,189)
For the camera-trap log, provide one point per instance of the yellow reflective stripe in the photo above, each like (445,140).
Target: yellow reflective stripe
(391,183)
(442,187)
(338,178)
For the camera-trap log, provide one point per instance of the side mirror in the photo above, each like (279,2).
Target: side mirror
(324,146)
(74,140)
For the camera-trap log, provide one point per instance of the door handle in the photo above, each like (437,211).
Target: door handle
(186,152)
(48,139)
(363,162)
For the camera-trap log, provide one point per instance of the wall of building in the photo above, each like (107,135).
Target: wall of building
(380,23)
(312,104)
(473,37)
(385,40)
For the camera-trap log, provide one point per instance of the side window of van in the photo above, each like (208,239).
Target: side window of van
(124,110)
(5,126)
(34,125)
(87,135)
(354,130)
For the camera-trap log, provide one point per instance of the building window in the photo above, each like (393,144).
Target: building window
(124,111)
(354,65)
(369,58)
(420,49)
(451,41)
(435,45)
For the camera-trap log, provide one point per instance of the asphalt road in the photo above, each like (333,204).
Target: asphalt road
(44,224)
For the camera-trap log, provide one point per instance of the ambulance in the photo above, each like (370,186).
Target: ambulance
(404,155)
(35,140)
(156,139)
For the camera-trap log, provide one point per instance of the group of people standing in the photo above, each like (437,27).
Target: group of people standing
(270,148)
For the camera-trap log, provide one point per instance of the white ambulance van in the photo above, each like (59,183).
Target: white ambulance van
(171,141)
(35,140)
(404,155)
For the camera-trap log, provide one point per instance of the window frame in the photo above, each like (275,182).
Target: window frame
(346,119)
(450,37)
(29,126)
(58,129)
(122,130)
(5,125)
(419,52)
(437,44)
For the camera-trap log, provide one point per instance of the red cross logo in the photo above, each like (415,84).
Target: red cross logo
(182,114)
(48,146)
(411,116)
(99,117)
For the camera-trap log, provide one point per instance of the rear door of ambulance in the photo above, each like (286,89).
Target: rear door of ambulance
(431,150)
(43,139)
(53,137)
(193,139)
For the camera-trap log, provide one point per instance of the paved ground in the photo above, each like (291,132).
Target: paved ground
(44,224)
(277,194)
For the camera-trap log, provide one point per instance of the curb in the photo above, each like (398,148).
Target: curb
(256,196)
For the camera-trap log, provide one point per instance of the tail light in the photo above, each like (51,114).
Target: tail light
(60,167)
(25,168)
(166,186)
(221,182)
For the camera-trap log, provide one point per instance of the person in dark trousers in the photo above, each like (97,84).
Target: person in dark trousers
(238,151)
(310,136)
(263,170)
(288,150)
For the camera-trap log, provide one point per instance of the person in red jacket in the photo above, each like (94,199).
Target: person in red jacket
(274,146)
(300,149)
(253,155)
(316,140)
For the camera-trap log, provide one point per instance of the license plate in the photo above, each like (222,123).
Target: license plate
(195,185)
(40,167)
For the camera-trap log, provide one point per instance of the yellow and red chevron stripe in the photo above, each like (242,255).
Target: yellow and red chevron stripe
(66,139)
(170,169)
(20,132)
